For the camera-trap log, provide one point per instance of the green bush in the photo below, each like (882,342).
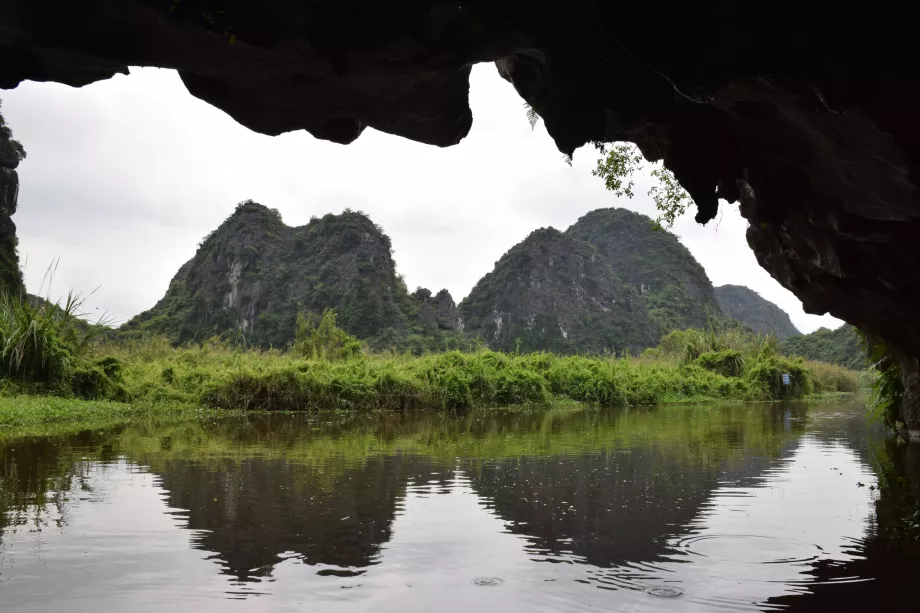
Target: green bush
(44,347)
(319,337)
(767,375)
(728,363)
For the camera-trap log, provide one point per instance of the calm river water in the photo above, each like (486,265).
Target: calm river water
(686,509)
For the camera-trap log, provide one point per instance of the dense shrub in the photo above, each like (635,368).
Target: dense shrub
(767,374)
(728,363)
(44,347)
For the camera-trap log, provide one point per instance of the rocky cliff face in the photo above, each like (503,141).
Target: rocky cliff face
(557,293)
(10,277)
(814,132)
(11,152)
(751,309)
(676,289)
(253,274)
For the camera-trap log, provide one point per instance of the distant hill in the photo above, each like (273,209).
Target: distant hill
(677,291)
(841,346)
(751,309)
(253,274)
(553,292)
(609,282)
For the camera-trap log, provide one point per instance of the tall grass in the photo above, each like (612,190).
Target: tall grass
(833,378)
(44,346)
(48,348)
(219,376)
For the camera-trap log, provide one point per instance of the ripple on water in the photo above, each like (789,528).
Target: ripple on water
(749,549)
(664,591)
(487,581)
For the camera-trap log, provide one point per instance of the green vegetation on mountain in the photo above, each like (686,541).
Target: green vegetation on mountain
(253,276)
(842,346)
(555,293)
(11,150)
(677,291)
(11,153)
(751,309)
(610,283)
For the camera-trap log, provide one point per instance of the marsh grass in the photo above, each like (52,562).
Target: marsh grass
(48,349)
(218,376)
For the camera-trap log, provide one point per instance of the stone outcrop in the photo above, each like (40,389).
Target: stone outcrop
(806,115)
(753,310)
(439,311)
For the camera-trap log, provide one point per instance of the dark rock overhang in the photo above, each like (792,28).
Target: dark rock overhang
(805,113)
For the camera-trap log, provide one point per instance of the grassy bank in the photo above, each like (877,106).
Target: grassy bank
(220,377)
(52,354)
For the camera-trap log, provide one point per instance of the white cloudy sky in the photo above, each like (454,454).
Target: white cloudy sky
(124,177)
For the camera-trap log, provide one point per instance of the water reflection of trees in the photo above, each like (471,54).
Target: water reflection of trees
(41,478)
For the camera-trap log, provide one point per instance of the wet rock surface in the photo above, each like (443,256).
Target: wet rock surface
(809,120)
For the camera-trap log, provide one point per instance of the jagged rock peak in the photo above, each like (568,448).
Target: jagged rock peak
(438,311)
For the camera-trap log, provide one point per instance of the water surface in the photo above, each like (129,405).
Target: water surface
(693,509)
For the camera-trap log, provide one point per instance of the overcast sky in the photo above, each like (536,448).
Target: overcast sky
(124,177)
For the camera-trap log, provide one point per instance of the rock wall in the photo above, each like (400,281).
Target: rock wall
(10,275)
(806,114)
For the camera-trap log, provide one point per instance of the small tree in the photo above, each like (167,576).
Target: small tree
(617,165)
(319,338)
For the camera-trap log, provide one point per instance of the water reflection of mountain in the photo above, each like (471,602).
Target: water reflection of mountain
(607,486)
(254,513)
(38,475)
(608,506)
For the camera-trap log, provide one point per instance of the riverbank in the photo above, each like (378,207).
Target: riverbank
(151,377)
(47,352)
